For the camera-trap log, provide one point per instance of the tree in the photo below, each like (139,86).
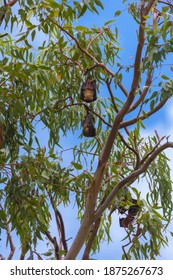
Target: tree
(48,51)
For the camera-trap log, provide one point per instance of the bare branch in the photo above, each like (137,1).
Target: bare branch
(148,114)
(38,255)
(12,2)
(63,238)
(149,6)
(95,37)
(123,89)
(142,96)
(3,35)
(47,233)
(112,96)
(166,3)
(60,226)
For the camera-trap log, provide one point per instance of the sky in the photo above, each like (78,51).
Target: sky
(162,122)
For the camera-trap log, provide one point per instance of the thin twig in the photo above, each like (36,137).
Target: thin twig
(111,95)
(95,37)
(3,35)
(155,147)
(166,3)
(38,255)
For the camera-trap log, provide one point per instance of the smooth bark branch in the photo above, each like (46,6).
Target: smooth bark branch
(88,216)
(123,89)
(12,2)
(91,239)
(142,96)
(149,6)
(60,227)
(148,114)
(112,96)
(166,3)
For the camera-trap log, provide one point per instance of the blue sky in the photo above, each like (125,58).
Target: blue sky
(162,122)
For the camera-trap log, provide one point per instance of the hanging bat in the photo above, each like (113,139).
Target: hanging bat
(88,126)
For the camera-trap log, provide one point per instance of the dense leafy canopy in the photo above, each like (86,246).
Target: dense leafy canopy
(46,49)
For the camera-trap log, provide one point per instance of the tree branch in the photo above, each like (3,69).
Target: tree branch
(142,96)
(166,3)
(95,37)
(92,236)
(149,6)
(111,95)
(143,117)
(55,244)
(60,226)
(133,176)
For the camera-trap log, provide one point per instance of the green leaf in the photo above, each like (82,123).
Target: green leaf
(33,34)
(108,22)
(117,13)
(152,103)
(165,77)
(81,28)
(2,215)
(53,4)
(77,165)
(3,180)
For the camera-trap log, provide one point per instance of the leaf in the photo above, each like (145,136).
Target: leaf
(165,77)
(77,165)
(117,13)
(3,180)
(2,215)
(53,4)
(45,175)
(152,105)
(109,21)
(33,34)
(81,28)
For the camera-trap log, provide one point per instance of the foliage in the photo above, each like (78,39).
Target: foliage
(46,49)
